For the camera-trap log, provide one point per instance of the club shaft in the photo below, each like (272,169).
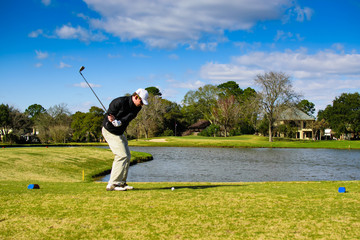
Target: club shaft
(93,91)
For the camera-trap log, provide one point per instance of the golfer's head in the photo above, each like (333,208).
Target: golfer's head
(142,96)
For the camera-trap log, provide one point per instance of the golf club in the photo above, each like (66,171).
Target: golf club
(81,69)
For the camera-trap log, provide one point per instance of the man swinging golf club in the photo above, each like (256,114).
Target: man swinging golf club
(121,111)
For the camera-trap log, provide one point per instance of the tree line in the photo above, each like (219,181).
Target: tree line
(229,109)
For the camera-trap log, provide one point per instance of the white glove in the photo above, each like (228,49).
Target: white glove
(116,123)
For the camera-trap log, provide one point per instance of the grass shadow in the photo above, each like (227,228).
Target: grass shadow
(193,187)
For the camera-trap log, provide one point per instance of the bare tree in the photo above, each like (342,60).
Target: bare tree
(149,119)
(54,124)
(276,95)
(226,113)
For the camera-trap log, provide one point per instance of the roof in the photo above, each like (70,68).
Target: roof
(202,124)
(294,114)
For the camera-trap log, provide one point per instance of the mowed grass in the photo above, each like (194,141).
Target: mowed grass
(57,164)
(281,210)
(243,141)
(65,207)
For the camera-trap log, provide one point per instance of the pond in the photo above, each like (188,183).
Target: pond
(172,164)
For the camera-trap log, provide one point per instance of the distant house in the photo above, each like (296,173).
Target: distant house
(197,127)
(328,134)
(300,120)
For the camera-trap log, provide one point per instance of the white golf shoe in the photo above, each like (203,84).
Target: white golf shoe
(127,187)
(113,187)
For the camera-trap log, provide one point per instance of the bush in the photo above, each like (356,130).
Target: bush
(211,131)
(168,132)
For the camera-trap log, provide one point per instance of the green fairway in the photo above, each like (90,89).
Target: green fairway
(242,141)
(58,164)
(66,207)
(297,210)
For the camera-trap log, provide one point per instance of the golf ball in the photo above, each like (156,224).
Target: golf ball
(172,189)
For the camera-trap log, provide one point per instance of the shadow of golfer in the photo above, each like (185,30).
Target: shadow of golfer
(193,187)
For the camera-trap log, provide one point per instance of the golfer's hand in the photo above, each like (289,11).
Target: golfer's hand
(111,118)
(116,123)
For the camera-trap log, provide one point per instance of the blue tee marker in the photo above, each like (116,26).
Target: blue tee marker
(342,189)
(33,186)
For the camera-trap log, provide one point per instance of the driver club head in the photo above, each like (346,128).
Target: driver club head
(82,68)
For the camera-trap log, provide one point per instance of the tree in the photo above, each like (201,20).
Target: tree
(226,113)
(54,125)
(20,124)
(87,126)
(43,122)
(276,94)
(250,111)
(208,101)
(230,88)
(4,121)
(79,128)
(319,126)
(343,115)
(246,103)
(34,110)
(154,91)
(94,119)
(174,122)
(13,123)
(198,104)
(307,107)
(149,120)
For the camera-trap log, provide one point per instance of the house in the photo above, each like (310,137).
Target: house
(298,119)
(197,127)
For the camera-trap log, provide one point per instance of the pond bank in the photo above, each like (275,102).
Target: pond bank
(243,141)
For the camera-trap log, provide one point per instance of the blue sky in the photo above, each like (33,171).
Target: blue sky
(176,46)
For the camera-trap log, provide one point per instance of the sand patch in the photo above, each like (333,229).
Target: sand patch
(158,140)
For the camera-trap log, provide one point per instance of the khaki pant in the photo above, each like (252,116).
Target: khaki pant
(119,147)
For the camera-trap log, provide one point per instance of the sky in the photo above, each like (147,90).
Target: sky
(176,46)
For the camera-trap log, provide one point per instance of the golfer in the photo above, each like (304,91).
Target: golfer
(121,111)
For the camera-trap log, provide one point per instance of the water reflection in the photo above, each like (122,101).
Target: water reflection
(245,165)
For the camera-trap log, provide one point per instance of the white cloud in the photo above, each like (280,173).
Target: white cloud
(38,65)
(70,32)
(339,47)
(219,73)
(140,55)
(323,62)
(46,2)
(203,46)
(169,93)
(192,85)
(173,57)
(319,76)
(84,85)
(64,65)
(167,24)
(281,35)
(41,55)
(84,35)
(36,33)
(302,14)
(114,55)
(245,45)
